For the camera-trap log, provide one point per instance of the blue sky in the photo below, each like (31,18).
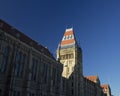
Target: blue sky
(96,24)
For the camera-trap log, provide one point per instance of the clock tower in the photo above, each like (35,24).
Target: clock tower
(70,55)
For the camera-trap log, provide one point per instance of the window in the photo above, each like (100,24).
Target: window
(42,69)
(70,62)
(23,60)
(72,91)
(4,59)
(44,72)
(31,94)
(64,38)
(70,36)
(19,63)
(67,56)
(0,92)
(68,70)
(54,76)
(0,45)
(71,55)
(34,69)
(16,93)
(67,37)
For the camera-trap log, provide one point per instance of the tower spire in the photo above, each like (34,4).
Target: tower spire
(68,38)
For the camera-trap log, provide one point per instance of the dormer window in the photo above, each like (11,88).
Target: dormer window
(70,36)
(67,37)
(64,38)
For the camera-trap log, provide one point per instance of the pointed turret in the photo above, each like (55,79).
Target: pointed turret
(106,89)
(70,55)
(68,38)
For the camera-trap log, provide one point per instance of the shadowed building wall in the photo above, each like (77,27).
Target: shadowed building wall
(29,69)
(26,67)
(106,89)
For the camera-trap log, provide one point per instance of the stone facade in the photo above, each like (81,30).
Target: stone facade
(29,69)
(26,68)
(92,86)
(70,55)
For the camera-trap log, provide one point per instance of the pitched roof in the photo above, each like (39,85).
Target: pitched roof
(92,78)
(24,38)
(105,86)
(68,38)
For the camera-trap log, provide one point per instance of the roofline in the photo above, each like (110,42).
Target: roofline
(27,40)
(69,29)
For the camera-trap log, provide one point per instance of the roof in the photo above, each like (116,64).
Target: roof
(68,37)
(105,86)
(92,78)
(24,38)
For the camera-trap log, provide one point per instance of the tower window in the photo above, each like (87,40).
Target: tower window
(70,36)
(70,56)
(64,37)
(72,84)
(67,56)
(16,93)
(67,37)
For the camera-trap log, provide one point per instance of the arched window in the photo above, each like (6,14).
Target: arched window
(34,69)
(20,60)
(4,59)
